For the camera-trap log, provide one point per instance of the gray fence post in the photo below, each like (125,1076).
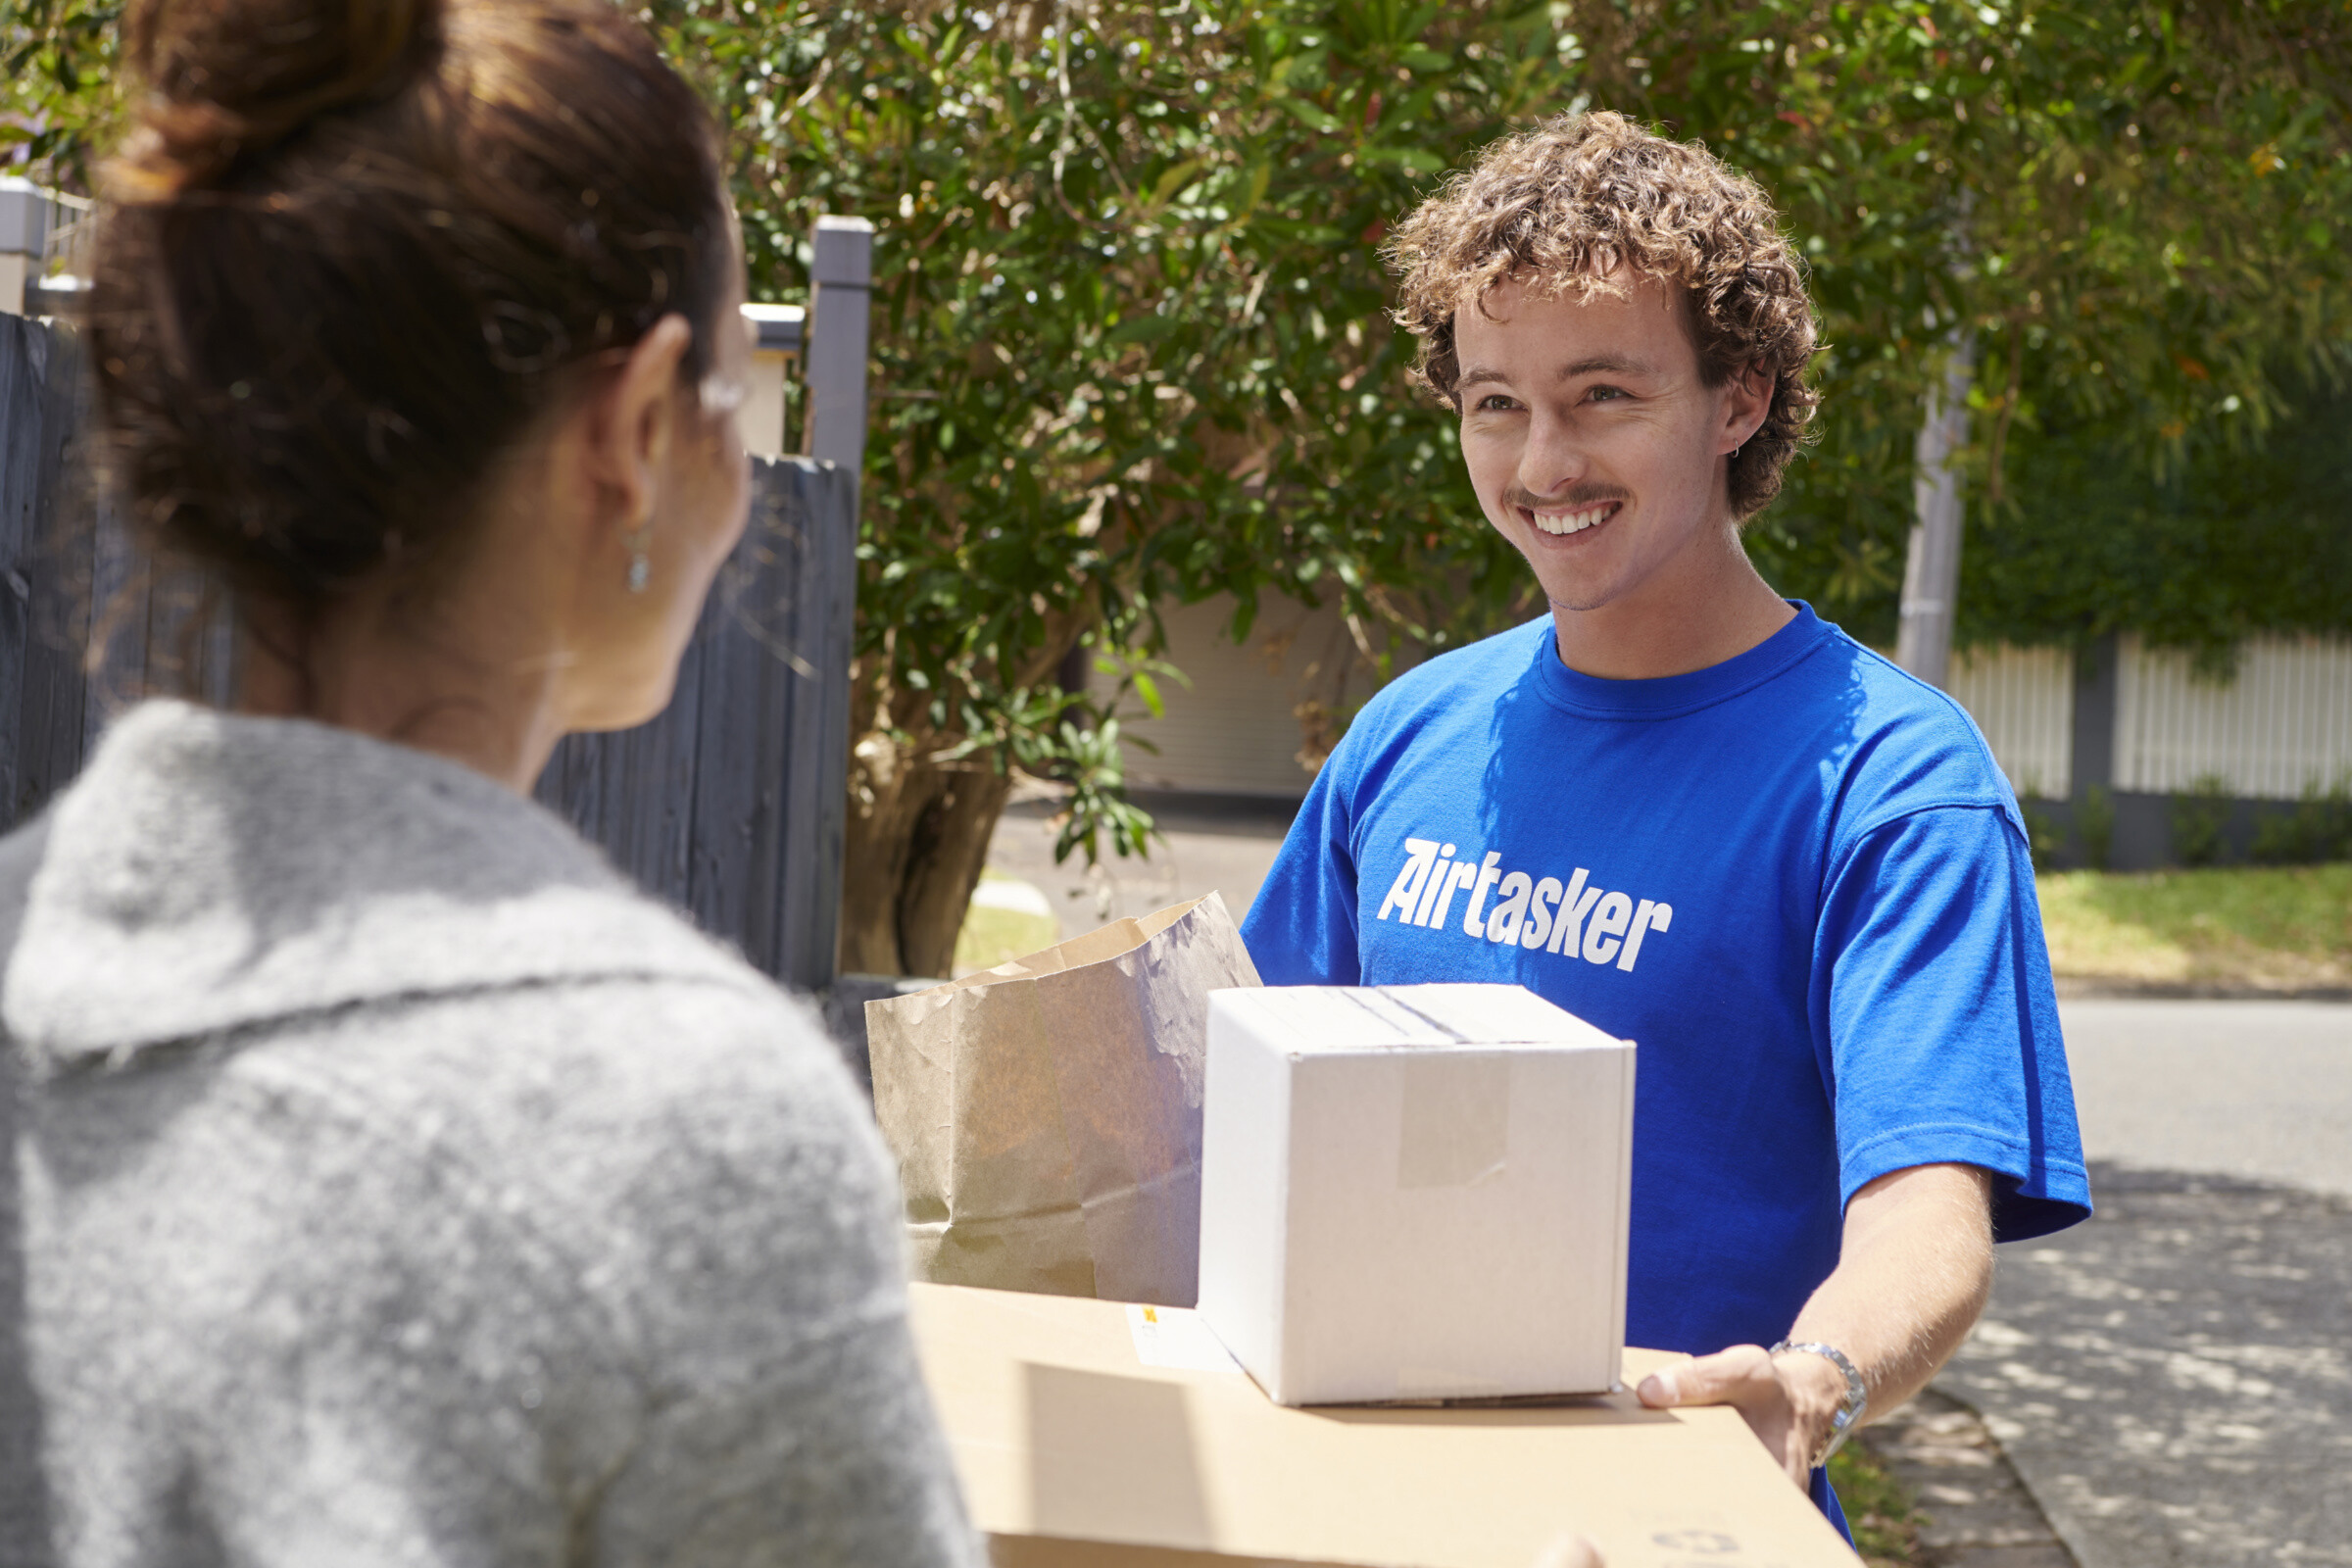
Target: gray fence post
(840,275)
(24,216)
(43,692)
(841,278)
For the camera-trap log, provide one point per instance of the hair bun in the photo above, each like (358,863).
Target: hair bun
(229,78)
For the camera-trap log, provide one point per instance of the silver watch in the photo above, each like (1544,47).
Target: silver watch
(1849,1409)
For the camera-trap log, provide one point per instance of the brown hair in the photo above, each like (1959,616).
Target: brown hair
(354,248)
(1566,205)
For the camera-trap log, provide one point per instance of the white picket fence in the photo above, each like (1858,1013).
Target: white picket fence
(2023,701)
(2282,724)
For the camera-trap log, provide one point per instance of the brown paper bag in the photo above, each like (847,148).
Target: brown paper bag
(1046,1112)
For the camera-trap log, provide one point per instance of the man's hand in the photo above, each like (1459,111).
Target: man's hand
(1786,1404)
(1914,1268)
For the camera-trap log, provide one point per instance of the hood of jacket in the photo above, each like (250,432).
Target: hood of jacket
(211,872)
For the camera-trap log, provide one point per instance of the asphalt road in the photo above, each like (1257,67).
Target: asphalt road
(2259,1089)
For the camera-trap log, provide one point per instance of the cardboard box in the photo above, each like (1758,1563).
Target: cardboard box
(1119,1435)
(1414,1192)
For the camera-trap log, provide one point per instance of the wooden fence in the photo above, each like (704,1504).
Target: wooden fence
(730,806)
(732,803)
(47,713)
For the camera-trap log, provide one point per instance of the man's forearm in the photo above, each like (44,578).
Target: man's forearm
(1914,1268)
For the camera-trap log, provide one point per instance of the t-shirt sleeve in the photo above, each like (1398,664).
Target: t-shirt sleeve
(1933,991)
(1300,929)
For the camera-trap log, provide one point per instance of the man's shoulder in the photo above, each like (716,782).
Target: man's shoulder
(1903,745)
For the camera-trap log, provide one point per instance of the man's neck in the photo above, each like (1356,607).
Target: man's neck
(1716,609)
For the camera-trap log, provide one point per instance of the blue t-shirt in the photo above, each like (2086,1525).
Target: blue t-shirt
(1796,880)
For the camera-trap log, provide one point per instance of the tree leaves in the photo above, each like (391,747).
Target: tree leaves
(1130,318)
(1121,257)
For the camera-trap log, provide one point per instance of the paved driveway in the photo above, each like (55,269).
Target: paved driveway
(1206,846)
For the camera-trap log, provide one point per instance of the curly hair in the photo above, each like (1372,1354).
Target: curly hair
(1571,202)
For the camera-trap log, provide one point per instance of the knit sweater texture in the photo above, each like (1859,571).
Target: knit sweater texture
(398,1186)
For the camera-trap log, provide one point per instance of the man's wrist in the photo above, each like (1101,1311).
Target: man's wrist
(1816,1391)
(1825,1395)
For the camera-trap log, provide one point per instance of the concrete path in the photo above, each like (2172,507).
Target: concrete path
(2174,1379)
(1979,1514)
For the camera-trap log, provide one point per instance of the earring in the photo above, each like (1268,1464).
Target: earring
(641,569)
(1737,449)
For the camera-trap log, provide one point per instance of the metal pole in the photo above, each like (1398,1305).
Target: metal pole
(1932,569)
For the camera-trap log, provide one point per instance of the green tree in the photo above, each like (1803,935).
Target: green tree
(1131,346)
(57,58)
(2232,538)
(1136,341)
(2140,210)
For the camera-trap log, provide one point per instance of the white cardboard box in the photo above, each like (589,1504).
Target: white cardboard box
(1414,1192)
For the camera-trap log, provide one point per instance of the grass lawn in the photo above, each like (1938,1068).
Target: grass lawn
(2265,928)
(1877,1509)
(1008,919)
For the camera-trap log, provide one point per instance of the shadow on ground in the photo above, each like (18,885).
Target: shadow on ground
(2172,1377)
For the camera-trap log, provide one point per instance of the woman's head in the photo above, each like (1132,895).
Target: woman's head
(362,253)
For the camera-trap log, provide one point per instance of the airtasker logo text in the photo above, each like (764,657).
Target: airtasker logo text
(1578,919)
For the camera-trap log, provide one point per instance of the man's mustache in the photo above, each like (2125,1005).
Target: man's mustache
(1575,500)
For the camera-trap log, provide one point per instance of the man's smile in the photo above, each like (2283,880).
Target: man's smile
(1564,520)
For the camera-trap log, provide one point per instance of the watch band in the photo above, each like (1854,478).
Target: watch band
(1850,1409)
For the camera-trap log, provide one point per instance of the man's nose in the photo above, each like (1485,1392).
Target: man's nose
(1553,459)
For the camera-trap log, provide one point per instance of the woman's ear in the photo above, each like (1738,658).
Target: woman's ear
(633,420)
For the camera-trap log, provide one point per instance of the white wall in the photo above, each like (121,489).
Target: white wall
(1237,731)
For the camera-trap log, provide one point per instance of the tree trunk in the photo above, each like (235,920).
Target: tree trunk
(917,839)
(918,829)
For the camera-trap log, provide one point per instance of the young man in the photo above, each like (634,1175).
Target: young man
(1691,812)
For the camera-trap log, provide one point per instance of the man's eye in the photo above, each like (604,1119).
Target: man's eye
(1606,394)
(1494,402)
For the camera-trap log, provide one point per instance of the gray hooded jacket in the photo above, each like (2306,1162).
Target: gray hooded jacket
(397,1186)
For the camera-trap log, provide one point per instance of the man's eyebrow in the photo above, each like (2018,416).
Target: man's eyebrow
(1594,365)
(1606,363)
